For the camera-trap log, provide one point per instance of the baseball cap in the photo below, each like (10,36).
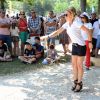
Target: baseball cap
(27,43)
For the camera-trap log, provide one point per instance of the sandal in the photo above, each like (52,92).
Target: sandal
(79,88)
(75,84)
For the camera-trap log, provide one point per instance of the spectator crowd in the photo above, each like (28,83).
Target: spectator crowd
(20,37)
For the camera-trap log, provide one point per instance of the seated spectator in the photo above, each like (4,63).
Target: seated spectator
(29,54)
(52,55)
(39,48)
(4,56)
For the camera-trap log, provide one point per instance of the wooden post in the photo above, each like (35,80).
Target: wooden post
(83,5)
(98,7)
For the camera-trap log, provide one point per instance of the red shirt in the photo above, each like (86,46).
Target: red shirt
(22,24)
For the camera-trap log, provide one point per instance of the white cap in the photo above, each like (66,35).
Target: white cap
(85,14)
(45,62)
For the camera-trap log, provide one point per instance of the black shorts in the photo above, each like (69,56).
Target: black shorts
(78,50)
(15,39)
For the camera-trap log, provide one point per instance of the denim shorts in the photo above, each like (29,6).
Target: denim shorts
(15,39)
(51,41)
(98,42)
(78,50)
(7,39)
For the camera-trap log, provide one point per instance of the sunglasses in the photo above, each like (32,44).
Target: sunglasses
(33,12)
(66,15)
(22,14)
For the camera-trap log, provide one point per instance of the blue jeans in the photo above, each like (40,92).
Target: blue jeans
(6,39)
(98,42)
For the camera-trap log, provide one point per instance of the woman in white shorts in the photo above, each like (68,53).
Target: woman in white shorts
(74,26)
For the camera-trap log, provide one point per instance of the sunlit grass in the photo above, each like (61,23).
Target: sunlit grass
(16,66)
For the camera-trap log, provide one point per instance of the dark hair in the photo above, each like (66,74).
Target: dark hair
(27,43)
(14,25)
(37,38)
(2,41)
(87,19)
(51,11)
(51,46)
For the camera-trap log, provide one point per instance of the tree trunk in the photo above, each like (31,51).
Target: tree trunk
(83,5)
(99,7)
(2,4)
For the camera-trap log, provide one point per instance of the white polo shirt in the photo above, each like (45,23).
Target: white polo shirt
(74,31)
(99,28)
(84,34)
(95,29)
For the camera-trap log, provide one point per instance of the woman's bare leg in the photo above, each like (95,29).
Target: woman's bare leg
(75,68)
(80,68)
(22,48)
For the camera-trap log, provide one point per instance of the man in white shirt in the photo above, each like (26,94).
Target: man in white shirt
(95,24)
(98,41)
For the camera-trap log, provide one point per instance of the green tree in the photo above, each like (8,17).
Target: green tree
(60,7)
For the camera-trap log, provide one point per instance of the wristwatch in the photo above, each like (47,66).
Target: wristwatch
(48,37)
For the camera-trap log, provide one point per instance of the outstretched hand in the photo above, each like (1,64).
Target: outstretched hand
(90,45)
(44,37)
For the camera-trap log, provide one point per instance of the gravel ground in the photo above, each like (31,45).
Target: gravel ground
(49,83)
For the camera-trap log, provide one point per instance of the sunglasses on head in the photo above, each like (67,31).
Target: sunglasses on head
(66,15)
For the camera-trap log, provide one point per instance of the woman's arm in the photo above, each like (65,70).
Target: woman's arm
(89,33)
(57,32)
(53,34)
(5,25)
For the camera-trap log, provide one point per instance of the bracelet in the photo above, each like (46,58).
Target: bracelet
(90,41)
(48,37)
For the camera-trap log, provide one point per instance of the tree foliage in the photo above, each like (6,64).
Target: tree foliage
(2,4)
(42,6)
